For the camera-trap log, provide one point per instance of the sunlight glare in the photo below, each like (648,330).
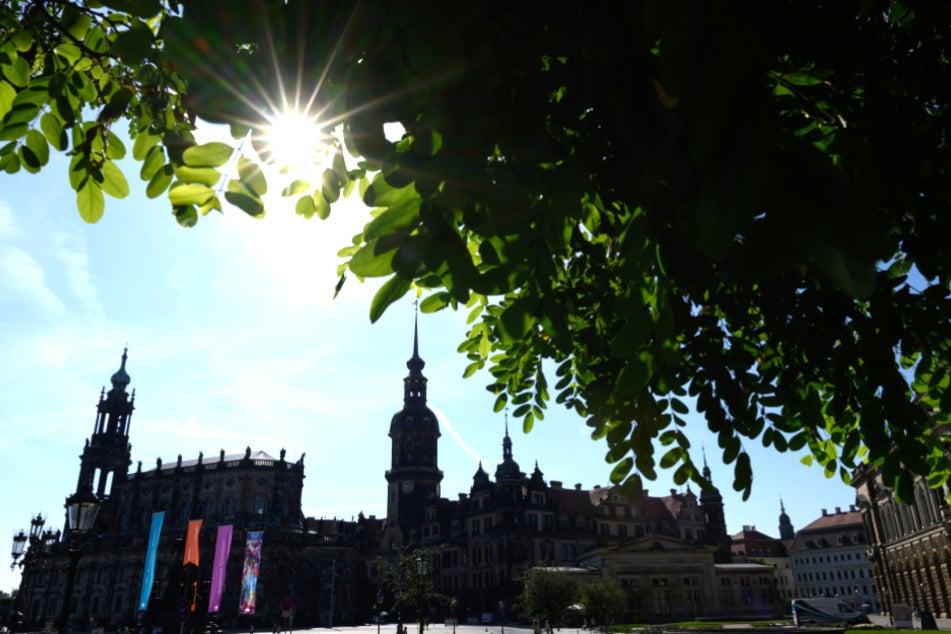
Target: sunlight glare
(294,141)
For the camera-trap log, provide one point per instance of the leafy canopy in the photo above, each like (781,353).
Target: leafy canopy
(546,594)
(737,207)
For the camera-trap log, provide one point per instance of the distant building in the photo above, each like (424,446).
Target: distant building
(672,552)
(909,545)
(829,559)
(752,546)
(250,491)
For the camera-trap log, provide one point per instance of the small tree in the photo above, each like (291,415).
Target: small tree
(604,601)
(546,594)
(410,577)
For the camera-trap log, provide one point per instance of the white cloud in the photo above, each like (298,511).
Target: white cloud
(21,276)
(8,228)
(72,253)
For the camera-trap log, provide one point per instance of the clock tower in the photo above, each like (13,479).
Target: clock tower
(414,476)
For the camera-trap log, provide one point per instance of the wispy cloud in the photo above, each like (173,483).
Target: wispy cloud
(8,227)
(449,429)
(72,254)
(23,285)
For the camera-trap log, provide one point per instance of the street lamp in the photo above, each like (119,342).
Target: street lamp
(421,571)
(378,610)
(81,510)
(19,545)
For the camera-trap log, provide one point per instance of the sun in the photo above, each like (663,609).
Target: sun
(294,141)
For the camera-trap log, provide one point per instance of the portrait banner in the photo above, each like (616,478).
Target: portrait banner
(220,567)
(249,574)
(151,551)
(191,543)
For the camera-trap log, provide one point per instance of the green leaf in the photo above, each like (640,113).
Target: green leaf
(17,72)
(202,175)
(375,259)
(331,184)
(247,203)
(29,159)
(251,176)
(140,8)
(397,219)
(13,132)
(190,195)
(321,205)
(69,52)
(633,335)
(143,144)
(186,215)
(636,374)
(621,469)
(678,406)
(133,45)
(434,302)
(305,206)
(78,27)
(154,160)
(214,154)
(116,149)
(37,144)
(517,319)
(22,40)
(54,131)
(160,181)
(392,290)
(7,94)
(296,187)
(90,201)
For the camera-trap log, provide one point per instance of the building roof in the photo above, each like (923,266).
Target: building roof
(833,521)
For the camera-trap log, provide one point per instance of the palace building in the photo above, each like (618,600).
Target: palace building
(325,572)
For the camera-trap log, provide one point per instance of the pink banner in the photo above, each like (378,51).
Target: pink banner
(220,567)
(249,575)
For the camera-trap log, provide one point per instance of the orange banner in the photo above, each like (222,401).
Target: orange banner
(191,543)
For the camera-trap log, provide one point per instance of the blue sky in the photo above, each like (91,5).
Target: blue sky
(235,340)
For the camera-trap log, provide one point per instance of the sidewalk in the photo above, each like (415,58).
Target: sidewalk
(886,621)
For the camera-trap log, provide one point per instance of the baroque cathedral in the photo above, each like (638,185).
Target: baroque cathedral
(669,552)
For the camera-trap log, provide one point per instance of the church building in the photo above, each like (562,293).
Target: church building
(324,573)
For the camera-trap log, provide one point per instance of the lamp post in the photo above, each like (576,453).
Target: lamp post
(81,510)
(378,609)
(421,570)
(19,545)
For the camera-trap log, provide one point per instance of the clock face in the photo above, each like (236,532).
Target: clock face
(407,487)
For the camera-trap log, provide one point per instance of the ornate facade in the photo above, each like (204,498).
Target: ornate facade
(486,538)
(909,545)
(252,491)
(510,521)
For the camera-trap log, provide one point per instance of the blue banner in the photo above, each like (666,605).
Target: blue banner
(148,573)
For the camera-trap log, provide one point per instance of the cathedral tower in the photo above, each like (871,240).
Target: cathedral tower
(786,530)
(107,454)
(414,476)
(712,504)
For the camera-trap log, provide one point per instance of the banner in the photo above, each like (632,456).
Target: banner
(219,568)
(191,543)
(148,573)
(249,575)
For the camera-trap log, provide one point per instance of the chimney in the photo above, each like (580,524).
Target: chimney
(838,510)
(578,486)
(673,492)
(824,512)
(556,485)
